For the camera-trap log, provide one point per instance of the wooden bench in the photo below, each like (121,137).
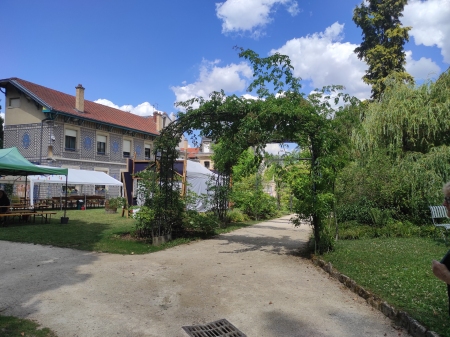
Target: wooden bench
(25,215)
(45,216)
(438,213)
(20,215)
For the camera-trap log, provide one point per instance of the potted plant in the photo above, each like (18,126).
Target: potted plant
(112,204)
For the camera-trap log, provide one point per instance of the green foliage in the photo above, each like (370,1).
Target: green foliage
(327,240)
(116,202)
(408,118)
(358,211)
(144,217)
(383,41)
(247,164)
(248,196)
(281,114)
(12,327)
(200,222)
(351,230)
(156,202)
(277,171)
(401,153)
(236,215)
(380,217)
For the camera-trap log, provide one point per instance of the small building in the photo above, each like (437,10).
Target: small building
(201,154)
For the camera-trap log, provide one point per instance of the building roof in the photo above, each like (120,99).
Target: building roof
(192,152)
(64,104)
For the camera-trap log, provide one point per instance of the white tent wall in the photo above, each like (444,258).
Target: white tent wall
(197,177)
(75,177)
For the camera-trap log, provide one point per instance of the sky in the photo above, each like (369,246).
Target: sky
(145,55)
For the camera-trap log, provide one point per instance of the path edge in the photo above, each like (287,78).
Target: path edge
(401,318)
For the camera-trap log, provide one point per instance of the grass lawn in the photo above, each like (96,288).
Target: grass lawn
(92,230)
(16,327)
(398,270)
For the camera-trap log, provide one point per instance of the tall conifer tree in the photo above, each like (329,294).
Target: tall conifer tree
(383,41)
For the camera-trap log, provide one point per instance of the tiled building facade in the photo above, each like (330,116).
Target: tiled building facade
(56,129)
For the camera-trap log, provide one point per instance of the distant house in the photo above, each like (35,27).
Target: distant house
(57,129)
(202,154)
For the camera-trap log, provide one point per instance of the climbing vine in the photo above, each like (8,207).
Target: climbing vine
(281,113)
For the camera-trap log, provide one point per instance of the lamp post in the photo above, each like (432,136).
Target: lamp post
(42,136)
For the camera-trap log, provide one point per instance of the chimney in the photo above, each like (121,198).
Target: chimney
(158,120)
(79,99)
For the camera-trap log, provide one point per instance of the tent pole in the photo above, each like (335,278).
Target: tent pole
(184,182)
(65,207)
(26,184)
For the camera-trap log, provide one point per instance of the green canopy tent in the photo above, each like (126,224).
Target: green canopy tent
(14,164)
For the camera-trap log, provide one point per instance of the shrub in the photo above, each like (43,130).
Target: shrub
(236,215)
(380,217)
(144,217)
(359,211)
(200,222)
(116,202)
(351,230)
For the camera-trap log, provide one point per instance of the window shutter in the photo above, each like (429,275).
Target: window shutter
(71,133)
(126,146)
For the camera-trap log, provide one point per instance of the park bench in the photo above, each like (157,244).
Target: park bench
(438,213)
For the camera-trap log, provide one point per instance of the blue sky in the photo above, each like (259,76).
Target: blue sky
(139,55)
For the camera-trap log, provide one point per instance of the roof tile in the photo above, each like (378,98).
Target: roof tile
(65,103)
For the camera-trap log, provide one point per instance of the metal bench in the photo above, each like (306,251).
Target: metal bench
(438,213)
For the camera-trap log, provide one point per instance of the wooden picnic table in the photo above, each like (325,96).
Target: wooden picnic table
(25,214)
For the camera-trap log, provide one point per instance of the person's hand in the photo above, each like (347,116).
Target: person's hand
(441,271)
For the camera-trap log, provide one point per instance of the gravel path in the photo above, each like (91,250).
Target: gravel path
(252,277)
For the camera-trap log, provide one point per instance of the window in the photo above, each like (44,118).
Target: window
(207,164)
(206,147)
(101,144)
(71,140)
(147,152)
(14,102)
(100,189)
(71,189)
(126,148)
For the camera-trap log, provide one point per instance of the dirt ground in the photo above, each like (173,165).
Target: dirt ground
(253,277)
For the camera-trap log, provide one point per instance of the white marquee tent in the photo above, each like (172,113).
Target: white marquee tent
(197,178)
(75,177)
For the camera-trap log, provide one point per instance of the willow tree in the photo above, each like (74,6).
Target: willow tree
(281,113)
(410,129)
(383,41)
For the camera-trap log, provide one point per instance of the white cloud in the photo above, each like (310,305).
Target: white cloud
(143,109)
(324,59)
(230,78)
(430,22)
(250,15)
(422,69)
(249,96)
(279,149)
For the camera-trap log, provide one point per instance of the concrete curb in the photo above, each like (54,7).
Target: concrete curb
(401,318)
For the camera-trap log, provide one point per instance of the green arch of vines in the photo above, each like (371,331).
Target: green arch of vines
(280,113)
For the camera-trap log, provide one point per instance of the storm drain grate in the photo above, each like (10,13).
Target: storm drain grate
(220,328)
